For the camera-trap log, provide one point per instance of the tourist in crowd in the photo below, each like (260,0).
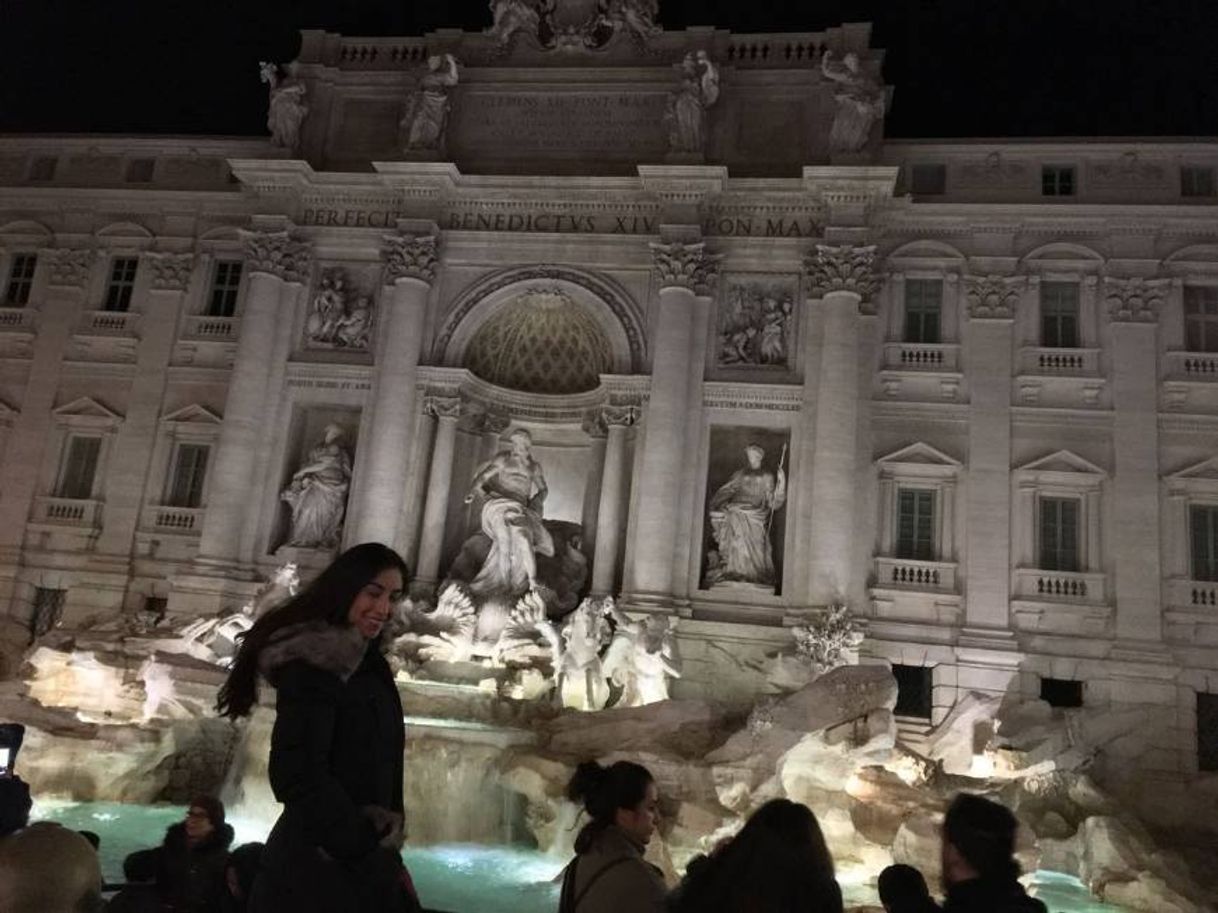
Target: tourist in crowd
(979,867)
(608,873)
(46,868)
(338,741)
(903,890)
(239,876)
(778,863)
(187,869)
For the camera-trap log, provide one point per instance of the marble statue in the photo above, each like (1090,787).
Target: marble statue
(830,641)
(426,118)
(579,675)
(741,512)
(687,106)
(641,658)
(317,493)
(637,16)
(337,318)
(514,490)
(755,325)
(512,16)
(286,108)
(860,103)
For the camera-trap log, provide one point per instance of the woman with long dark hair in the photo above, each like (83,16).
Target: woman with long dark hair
(778,863)
(608,873)
(338,742)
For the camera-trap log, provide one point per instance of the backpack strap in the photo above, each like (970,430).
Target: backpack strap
(568,900)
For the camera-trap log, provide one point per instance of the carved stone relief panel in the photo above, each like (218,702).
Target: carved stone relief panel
(340,313)
(755,324)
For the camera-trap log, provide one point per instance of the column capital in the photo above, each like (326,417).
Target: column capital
(1135,300)
(277,254)
(842,268)
(410,256)
(682,265)
(170,272)
(492,421)
(69,266)
(993,297)
(442,407)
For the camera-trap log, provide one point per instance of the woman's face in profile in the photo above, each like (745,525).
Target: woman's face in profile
(374,604)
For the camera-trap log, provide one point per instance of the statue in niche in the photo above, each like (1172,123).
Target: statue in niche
(860,102)
(687,106)
(741,513)
(756,324)
(512,16)
(337,318)
(642,658)
(514,488)
(426,118)
(286,108)
(317,493)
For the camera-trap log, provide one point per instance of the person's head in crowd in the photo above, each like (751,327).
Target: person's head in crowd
(204,817)
(15,805)
(46,868)
(903,890)
(623,794)
(357,590)
(94,839)
(241,870)
(978,841)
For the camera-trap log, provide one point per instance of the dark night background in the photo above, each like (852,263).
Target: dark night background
(960,67)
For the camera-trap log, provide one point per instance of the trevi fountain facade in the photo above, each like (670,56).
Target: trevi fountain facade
(718,433)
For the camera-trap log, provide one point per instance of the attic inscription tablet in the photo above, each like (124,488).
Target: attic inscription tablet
(556,124)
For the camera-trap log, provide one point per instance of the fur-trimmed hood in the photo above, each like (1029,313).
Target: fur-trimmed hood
(220,839)
(337,649)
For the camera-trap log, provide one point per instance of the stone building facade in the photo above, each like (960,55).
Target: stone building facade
(988,369)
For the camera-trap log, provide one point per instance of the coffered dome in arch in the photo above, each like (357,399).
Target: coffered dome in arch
(541,342)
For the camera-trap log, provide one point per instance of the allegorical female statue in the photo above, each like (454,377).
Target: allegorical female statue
(286,108)
(317,493)
(426,116)
(860,103)
(740,515)
(686,115)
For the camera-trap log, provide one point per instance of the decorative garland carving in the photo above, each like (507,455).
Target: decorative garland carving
(1135,300)
(69,267)
(993,297)
(171,271)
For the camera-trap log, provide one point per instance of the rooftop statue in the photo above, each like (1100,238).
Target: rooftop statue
(687,106)
(286,108)
(572,24)
(426,118)
(860,102)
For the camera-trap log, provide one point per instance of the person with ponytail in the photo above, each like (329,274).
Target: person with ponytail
(338,742)
(608,873)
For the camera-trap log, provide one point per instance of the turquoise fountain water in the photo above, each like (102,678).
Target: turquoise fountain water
(457,878)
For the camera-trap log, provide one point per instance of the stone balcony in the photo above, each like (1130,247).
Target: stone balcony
(1193,366)
(109,323)
(1040,361)
(917,576)
(202,327)
(1059,586)
(1192,612)
(17,320)
(183,521)
(1061,603)
(917,356)
(67,512)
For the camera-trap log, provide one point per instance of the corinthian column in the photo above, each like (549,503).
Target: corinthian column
(447,411)
(274,262)
(841,279)
(410,266)
(609,524)
(681,267)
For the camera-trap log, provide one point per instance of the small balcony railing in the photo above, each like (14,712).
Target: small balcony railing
(1195,594)
(917,356)
(1059,586)
(199,326)
(16,320)
(908,574)
(1197,366)
(185,520)
(67,511)
(1060,362)
(109,323)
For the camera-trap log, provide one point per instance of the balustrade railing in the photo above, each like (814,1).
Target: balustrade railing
(1059,586)
(1202,366)
(905,573)
(917,356)
(110,323)
(199,326)
(178,519)
(16,320)
(1065,362)
(66,511)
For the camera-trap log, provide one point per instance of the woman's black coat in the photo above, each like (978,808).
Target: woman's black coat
(188,878)
(337,747)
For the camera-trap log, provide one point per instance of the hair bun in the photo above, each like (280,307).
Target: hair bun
(586,782)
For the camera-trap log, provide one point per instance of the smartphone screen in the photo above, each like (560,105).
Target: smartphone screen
(6,757)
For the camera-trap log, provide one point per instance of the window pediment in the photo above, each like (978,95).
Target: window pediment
(1062,463)
(1199,478)
(193,415)
(918,460)
(86,412)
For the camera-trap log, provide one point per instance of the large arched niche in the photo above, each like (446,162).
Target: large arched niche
(543,329)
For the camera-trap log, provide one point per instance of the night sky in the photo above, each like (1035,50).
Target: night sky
(960,67)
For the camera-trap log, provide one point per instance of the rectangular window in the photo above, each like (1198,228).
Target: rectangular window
(1201,318)
(43,168)
(914,690)
(1061,692)
(923,306)
(189,471)
(139,171)
(121,284)
(929,180)
(1059,315)
(46,611)
(1203,533)
(1057,181)
(20,280)
(225,281)
(1196,181)
(1207,732)
(1059,534)
(79,468)
(916,524)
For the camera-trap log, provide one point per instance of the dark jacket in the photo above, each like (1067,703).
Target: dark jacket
(336,748)
(986,895)
(189,879)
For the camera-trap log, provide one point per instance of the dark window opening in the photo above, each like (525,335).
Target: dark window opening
(1207,732)
(1057,181)
(923,306)
(914,690)
(20,280)
(1061,692)
(46,612)
(122,283)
